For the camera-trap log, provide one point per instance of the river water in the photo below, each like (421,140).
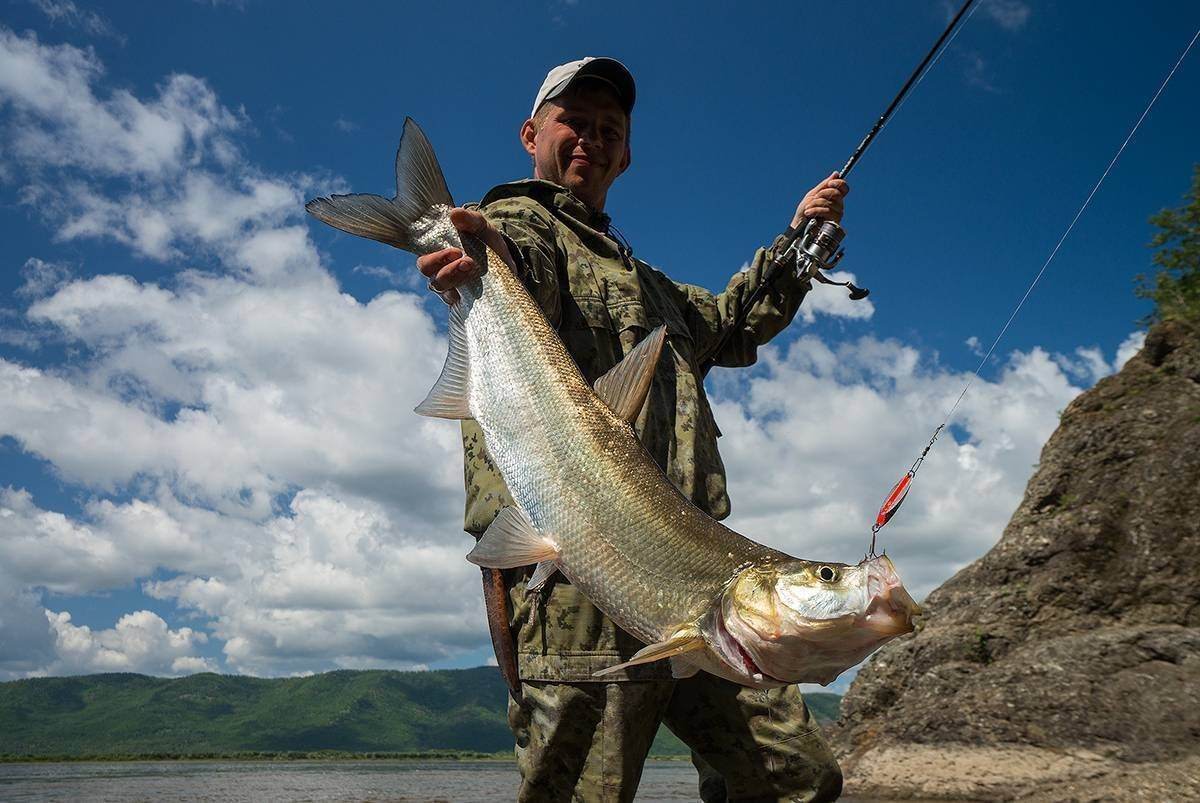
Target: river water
(276,781)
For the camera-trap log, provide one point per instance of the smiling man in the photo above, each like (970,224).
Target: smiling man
(578,737)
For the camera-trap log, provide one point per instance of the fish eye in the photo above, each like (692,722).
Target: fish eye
(827,574)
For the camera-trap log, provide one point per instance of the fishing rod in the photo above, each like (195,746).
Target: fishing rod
(815,245)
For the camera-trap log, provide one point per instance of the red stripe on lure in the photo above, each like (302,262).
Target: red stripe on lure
(893,501)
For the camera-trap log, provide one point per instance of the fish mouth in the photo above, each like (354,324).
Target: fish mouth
(891,610)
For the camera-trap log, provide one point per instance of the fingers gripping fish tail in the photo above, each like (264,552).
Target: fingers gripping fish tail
(420,186)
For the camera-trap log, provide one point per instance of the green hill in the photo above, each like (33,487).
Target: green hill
(353,711)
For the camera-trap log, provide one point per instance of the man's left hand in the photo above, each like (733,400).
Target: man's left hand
(825,201)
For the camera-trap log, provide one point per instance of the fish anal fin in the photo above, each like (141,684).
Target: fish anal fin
(451,394)
(541,575)
(685,640)
(512,541)
(626,384)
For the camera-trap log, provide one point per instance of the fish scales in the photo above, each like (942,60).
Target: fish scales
(628,538)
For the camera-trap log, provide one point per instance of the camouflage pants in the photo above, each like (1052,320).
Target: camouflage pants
(588,741)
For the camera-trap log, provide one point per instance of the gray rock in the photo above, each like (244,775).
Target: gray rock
(1080,629)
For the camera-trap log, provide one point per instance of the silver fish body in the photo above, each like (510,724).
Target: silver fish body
(592,503)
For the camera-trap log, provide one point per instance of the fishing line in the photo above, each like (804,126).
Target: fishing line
(939,55)
(900,490)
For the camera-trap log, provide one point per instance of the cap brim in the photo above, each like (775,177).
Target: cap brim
(613,73)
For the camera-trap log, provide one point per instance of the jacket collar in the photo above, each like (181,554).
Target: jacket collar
(556,198)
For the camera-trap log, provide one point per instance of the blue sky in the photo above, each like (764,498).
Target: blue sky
(199,391)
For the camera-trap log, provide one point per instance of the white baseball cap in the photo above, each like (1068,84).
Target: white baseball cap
(608,70)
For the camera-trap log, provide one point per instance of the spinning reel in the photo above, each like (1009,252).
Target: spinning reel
(817,246)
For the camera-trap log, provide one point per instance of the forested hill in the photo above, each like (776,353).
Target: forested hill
(355,711)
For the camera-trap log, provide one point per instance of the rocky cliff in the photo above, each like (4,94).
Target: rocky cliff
(1065,663)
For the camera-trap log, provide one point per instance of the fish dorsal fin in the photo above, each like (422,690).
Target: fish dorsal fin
(626,384)
(686,639)
(541,574)
(420,186)
(512,541)
(419,180)
(450,396)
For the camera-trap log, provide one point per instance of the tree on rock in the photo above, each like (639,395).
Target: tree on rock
(1175,287)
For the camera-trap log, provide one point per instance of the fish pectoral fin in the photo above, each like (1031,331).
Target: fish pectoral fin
(451,394)
(541,574)
(685,640)
(626,384)
(682,668)
(512,541)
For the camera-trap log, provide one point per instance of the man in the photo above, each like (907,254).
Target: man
(578,738)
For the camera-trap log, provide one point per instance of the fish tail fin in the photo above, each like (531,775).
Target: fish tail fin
(420,186)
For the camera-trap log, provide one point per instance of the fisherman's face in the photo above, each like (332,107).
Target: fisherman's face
(582,143)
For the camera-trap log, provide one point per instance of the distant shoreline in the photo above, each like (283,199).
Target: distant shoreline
(260,755)
(282,756)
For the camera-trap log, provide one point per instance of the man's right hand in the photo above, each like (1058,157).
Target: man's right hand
(450,267)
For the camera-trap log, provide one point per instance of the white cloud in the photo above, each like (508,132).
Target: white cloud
(339,585)
(200,211)
(58,121)
(1130,346)
(977,72)
(839,425)
(835,301)
(1087,364)
(26,640)
(69,13)
(345,126)
(140,642)
(1011,15)
(41,277)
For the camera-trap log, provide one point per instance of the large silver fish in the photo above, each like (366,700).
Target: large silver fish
(590,501)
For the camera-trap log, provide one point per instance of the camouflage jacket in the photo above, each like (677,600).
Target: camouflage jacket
(602,303)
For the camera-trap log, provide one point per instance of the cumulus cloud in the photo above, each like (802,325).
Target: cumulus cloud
(1130,346)
(339,585)
(254,418)
(27,642)
(840,424)
(140,642)
(835,301)
(57,120)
